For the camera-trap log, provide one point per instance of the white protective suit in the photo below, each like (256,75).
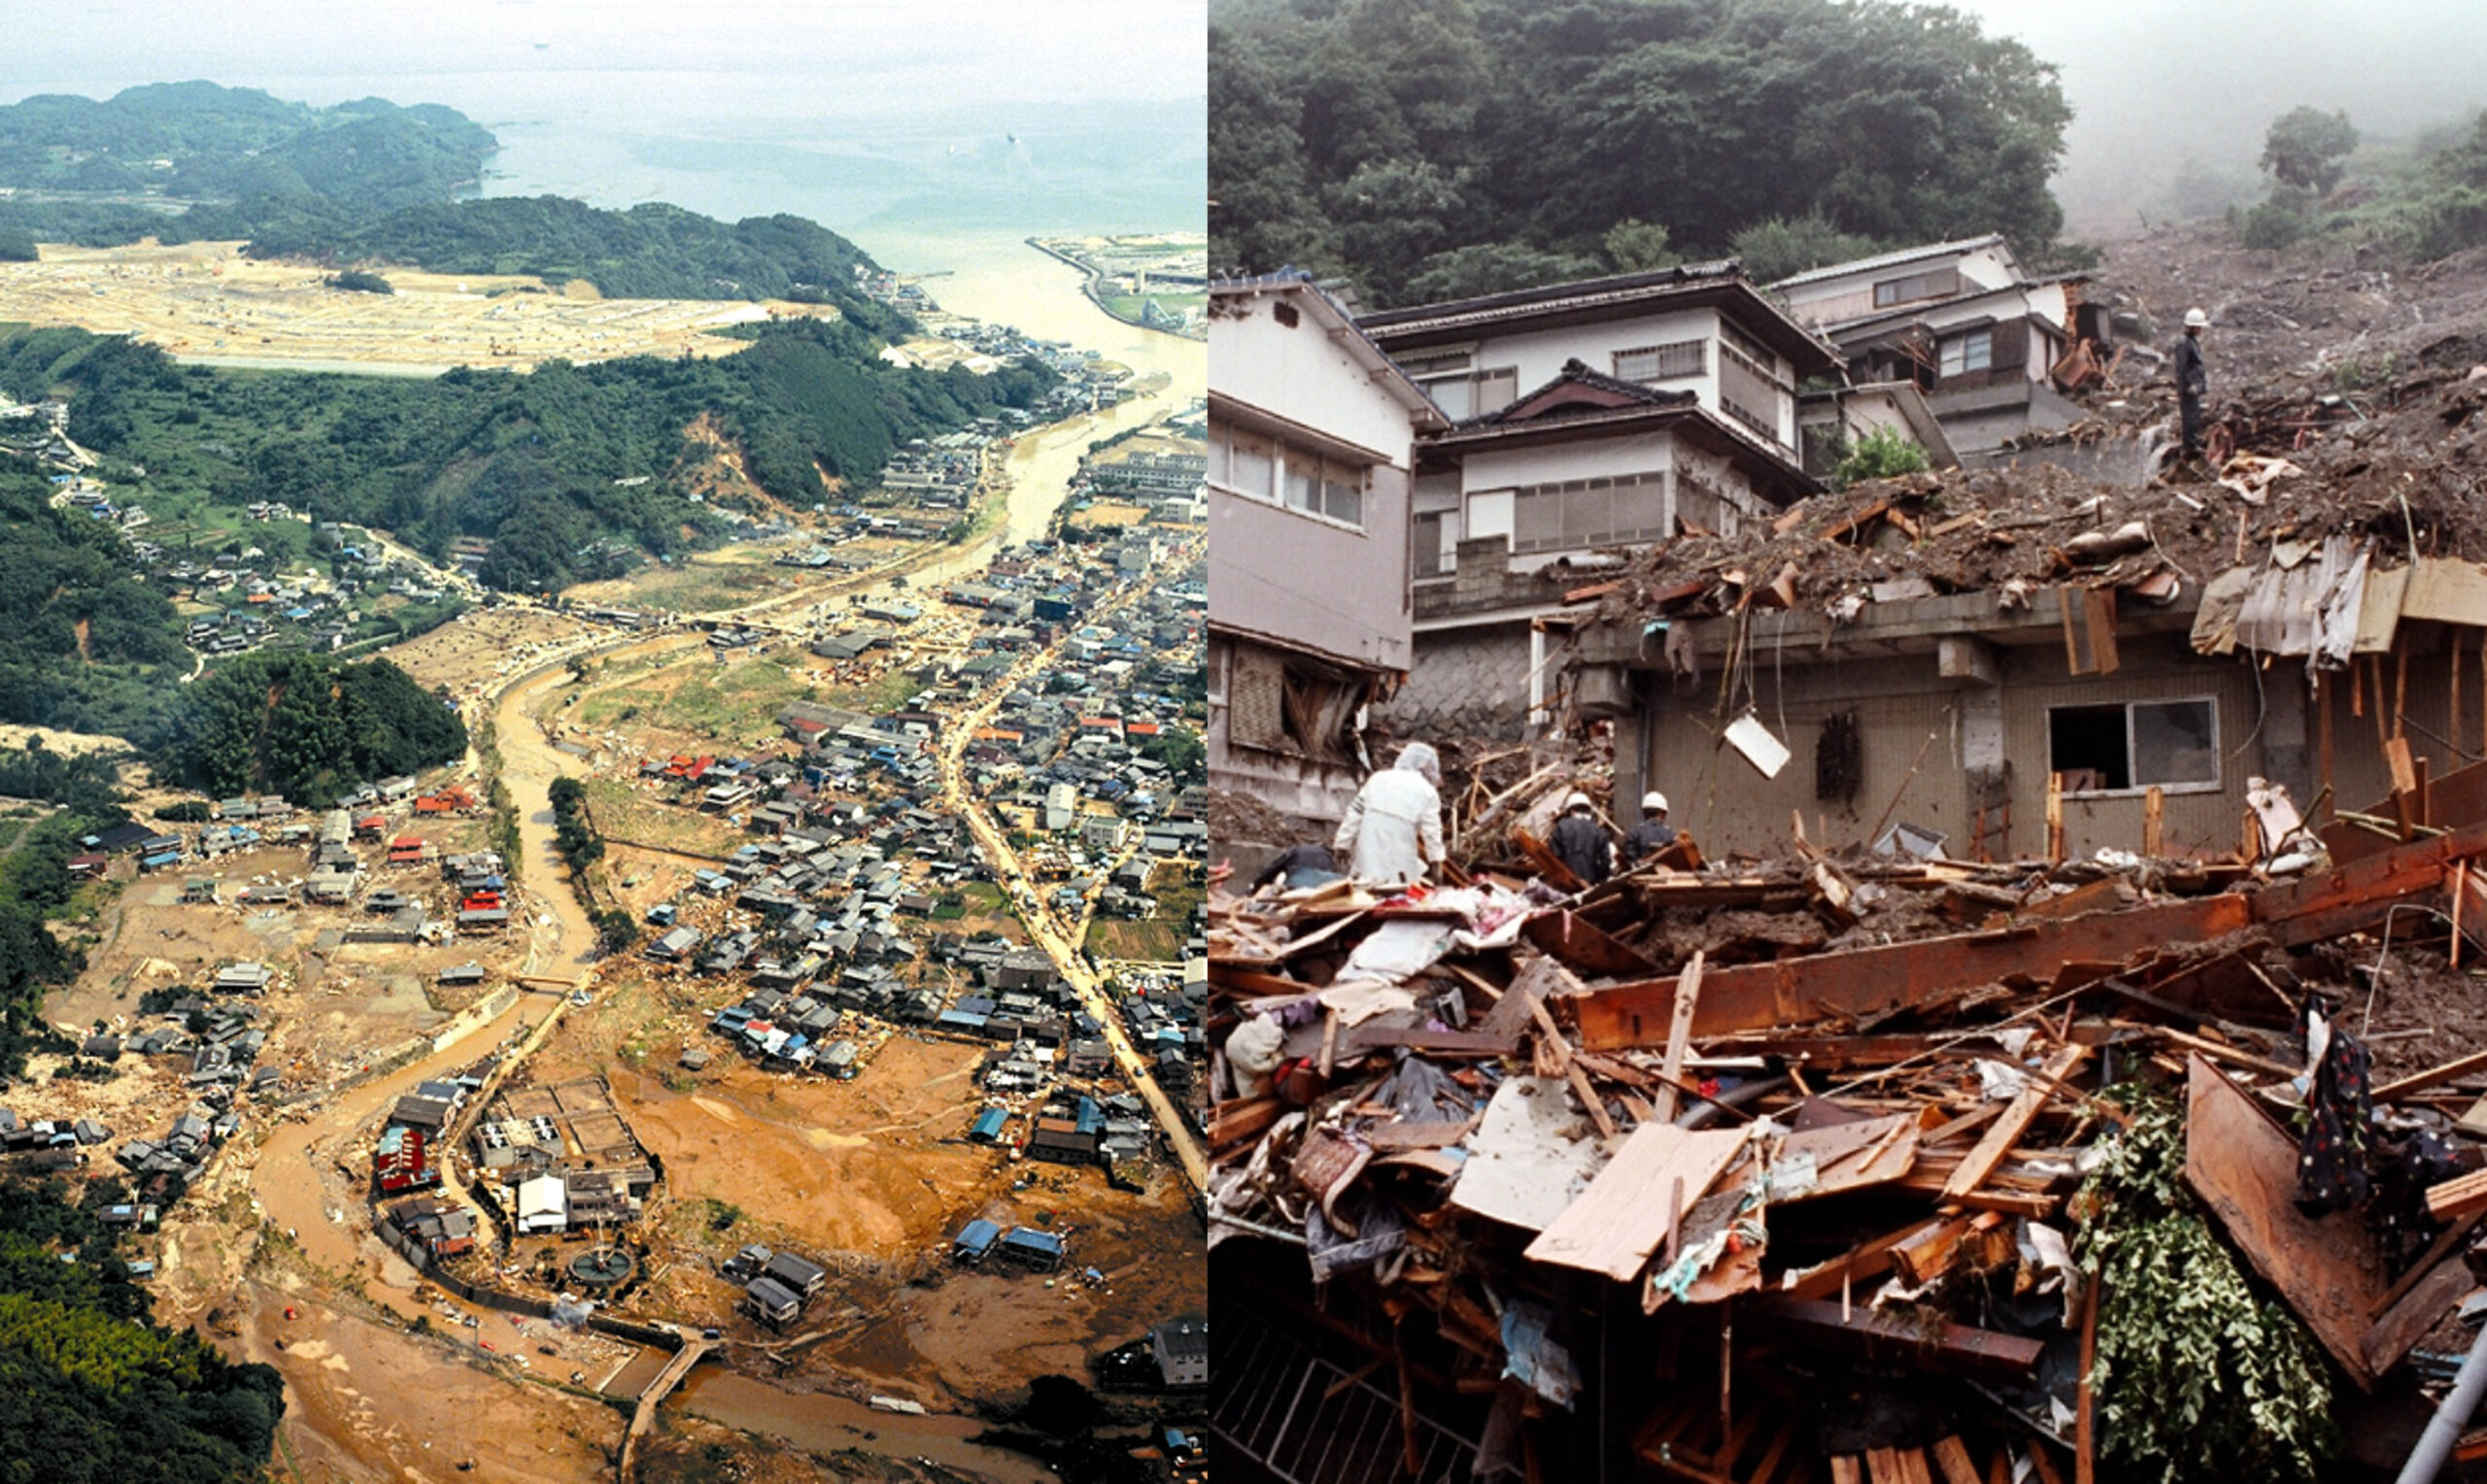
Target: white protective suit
(1393,830)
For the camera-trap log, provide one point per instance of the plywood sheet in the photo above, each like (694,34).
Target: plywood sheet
(1627,1213)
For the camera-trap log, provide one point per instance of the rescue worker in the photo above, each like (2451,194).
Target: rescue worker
(1393,830)
(2193,381)
(1579,841)
(1653,834)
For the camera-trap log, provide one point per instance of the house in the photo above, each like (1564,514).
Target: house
(2151,699)
(976,1241)
(1042,1251)
(1312,429)
(543,1204)
(1180,1347)
(402,1161)
(1063,1141)
(242,979)
(416,1111)
(799,1274)
(675,946)
(1959,323)
(1584,417)
(989,1126)
(770,1301)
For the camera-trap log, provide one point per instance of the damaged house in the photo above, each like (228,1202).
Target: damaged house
(1584,417)
(1955,330)
(1309,428)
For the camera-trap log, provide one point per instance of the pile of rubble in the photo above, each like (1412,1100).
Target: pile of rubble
(1828,1167)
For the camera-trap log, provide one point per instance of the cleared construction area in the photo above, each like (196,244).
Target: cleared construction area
(205,302)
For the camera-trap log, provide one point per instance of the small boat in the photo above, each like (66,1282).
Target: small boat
(897,1405)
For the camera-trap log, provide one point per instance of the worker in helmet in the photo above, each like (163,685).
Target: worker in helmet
(1393,830)
(2193,381)
(1653,834)
(1579,840)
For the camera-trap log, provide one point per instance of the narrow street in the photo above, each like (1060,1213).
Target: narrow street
(1042,925)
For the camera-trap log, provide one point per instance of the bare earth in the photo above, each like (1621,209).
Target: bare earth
(203,301)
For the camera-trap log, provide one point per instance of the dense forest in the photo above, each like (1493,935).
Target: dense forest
(195,141)
(82,645)
(91,1391)
(1431,148)
(306,726)
(371,183)
(529,461)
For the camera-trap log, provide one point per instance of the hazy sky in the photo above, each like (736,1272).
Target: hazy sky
(2154,80)
(832,57)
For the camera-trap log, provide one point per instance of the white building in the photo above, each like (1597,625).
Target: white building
(543,1204)
(1585,419)
(1310,428)
(1959,323)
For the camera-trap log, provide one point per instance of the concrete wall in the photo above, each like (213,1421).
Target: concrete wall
(1466,682)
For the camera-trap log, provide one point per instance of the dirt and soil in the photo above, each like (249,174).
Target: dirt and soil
(204,301)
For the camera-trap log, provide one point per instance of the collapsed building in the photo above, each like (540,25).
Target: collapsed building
(2133,866)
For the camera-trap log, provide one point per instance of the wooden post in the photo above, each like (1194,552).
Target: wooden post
(2460,890)
(2055,819)
(2452,710)
(1688,995)
(2152,806)
(2401,690)
(2322,702)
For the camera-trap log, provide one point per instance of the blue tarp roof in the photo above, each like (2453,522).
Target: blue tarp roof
(989,1123)
(979,1234)
(1034,1240)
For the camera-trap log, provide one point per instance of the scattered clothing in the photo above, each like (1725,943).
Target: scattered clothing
(2332,1157)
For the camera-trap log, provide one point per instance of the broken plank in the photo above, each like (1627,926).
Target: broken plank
(1584,947)
(2435,1076)
(1623,1216)
(2433,1295)
(1947,1348)
(1998,1142)
(2462,1196)
(1687,994)
(1871,981)
(1952,1456)
(2243,1166)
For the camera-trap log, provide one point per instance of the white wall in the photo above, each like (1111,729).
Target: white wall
(1303,374)
(1540,354)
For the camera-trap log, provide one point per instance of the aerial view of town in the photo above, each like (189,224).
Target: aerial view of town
(603,829)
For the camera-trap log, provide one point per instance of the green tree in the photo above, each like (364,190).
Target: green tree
(1634,245)
(1885,452)
(2306,147)
(1780,248)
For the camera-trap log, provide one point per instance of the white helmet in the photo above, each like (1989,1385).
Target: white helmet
(2196,320)
(1654,802)
(1576,799)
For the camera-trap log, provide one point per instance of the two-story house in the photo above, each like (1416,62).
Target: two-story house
(1959,323)
(1584,417)
(1310,433)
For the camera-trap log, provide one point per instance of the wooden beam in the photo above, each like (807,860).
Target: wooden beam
(1864,982)
(2464,1196)
(1948,1348)
(2435,1076)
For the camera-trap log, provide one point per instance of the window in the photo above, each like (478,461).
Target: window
(1437,543)
(1972,352)
(1289,474)
(2171,745)
(1583,512)
(1934,283)
(1662,363)
(1749,393)
(1465,394)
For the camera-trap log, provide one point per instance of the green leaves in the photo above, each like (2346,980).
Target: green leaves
(2199,1375)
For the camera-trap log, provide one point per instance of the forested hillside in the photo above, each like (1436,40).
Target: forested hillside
(81,644)
(91,1392)
(306,726)
(1427,149)
(529,461)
